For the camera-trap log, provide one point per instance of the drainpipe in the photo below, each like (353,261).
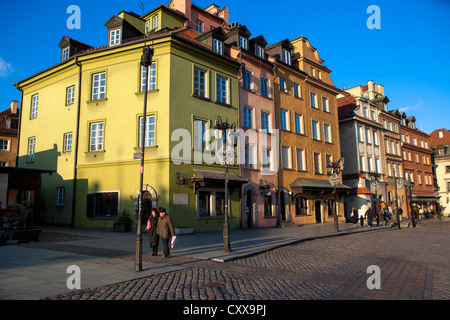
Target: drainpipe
(19,124)
(279,173)
(77,134)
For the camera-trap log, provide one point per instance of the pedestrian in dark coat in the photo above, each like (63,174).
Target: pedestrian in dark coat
(369,216)
(151,228)
(165,230)
(354,217)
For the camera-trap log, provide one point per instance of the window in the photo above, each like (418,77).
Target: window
(60,196)
(65,54)
(34,106)
(373,116)
(391,144)
(265,121)
(397,148)
(250,162)
(282,84)
(312,72)
(331,207)
(297,92)
(222,89)
(246,80)
(217,46)
(103,205)
(114,37)
(199,135)
(298,123)
(67,144)
(266,159)
(360,134)
(384,124)
(31,149)
(285,157)
(315,130)
(300,206)
(260,52)
(283,120)
(96,136)
(317,163)
(151,77)
(415,141)
(395,127)
(150,131)
(286,56)
(362,163)
(301,159)
(210,203)
(319,75)
(4,145)
(264,88)
(325,104)
(327,133)
(70,95)
(313,100)
(365,112)
(368,136)
(243,43)
(377,166)
(248,117)
(328,161)
(98,86)
(375,138)
(385,107)
(369,162)
(389,126)
(199,26)
(147,26)
(155,21)
(199,82)
(407,138)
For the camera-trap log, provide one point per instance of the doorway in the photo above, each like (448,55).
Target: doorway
(249,209)
(317,210)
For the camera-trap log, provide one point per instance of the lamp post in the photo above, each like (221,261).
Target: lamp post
(438,203)
(397,180)
(146,61)
(224,159)
(336,168)
(409,184)
(375,178)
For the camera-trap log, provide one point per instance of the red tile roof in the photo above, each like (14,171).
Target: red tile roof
(436,141)
(360,191)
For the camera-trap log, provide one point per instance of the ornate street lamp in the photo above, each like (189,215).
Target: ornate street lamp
(335,168)
(225,157)
(409,185)
(146,62)
(375,178)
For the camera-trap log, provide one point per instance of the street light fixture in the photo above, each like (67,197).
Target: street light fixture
(410,184)
(335,168)
(224,157)
(375,178)
(146,62)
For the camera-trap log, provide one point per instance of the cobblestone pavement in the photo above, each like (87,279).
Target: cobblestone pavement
(414,265)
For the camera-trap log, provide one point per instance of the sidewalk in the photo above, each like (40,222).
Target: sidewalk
(28,273)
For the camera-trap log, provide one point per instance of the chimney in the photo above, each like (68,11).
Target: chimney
(224,14)
(14,107)
(183,6)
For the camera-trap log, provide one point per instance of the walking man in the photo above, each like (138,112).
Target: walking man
(165,230)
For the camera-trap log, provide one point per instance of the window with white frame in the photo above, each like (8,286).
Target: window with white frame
(98,86)
(67,144)
(260,52)
(217,46)
(312,72)
(369,162)
(248,117)
(286,157)
(151,85)
(377,165)
(31,149)
(368,136)
(282,84)
(114,37)
(315,130)
(313,100)
(70,95)
(299,123)
(199,82)
(250,156)
(327,133)
(199,26)
(301,166)
(222,89)
(362,163)
(266,158)
(60,192)
(265,121)
(65,54)
(375,138)
(155,22)
(34,106)
(150,130)
(147,26)
(360,134)
(210,203)
(243,43)
(286,56)
(325,104)
(4,145)
(317,163)
(373,115)
(297,92)
(199,135)
(96,136)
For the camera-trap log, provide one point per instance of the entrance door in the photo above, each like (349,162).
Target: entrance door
(249,209)
(317,207)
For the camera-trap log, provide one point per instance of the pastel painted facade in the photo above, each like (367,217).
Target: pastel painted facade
(440,144)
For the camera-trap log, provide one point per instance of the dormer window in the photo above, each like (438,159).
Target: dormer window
(65,54)
(147,26)
(286,56)
(218,46)
(260,52)
(199,26)
(243,43)
(385,108)
(114,37)
(155,21)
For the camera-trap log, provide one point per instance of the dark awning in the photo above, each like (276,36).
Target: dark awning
(317,185)
(209,178)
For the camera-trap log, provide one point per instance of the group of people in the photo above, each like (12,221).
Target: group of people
(370,215)
(160,225)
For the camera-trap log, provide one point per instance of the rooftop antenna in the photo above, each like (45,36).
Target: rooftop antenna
(141,5)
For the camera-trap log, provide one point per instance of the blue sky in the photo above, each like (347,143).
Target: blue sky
(409,55)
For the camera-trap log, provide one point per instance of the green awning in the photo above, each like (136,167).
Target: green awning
(317,185)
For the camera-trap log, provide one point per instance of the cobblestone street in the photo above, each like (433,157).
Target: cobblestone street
(414,265)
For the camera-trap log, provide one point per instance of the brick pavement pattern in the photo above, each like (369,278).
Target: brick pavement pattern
(414,265)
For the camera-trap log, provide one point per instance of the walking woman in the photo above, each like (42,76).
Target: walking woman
(152,226)
(354,217)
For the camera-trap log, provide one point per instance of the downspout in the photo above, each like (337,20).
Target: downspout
(77,134)
(279,173)
(19,124)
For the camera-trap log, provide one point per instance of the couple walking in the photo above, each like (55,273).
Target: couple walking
(160,225)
